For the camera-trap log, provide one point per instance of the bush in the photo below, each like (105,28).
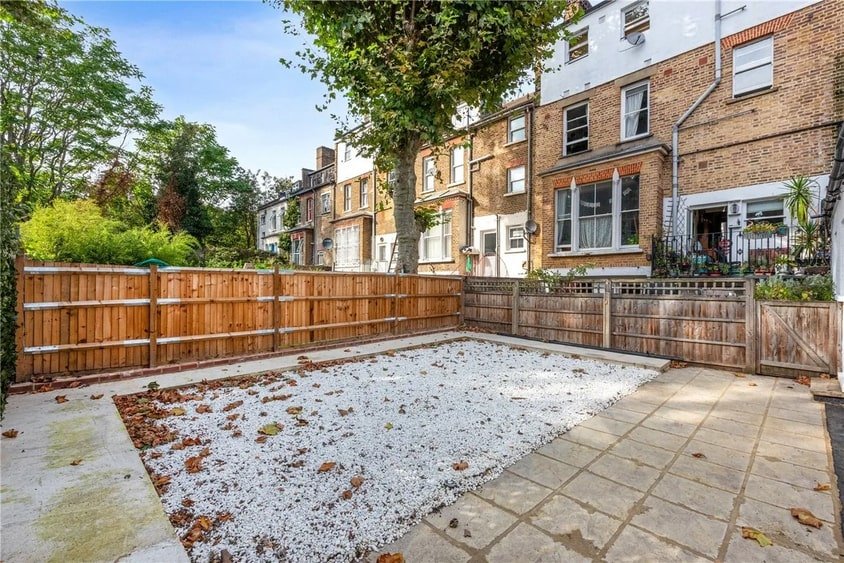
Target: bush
(812,288)
(220,257)
(77,231)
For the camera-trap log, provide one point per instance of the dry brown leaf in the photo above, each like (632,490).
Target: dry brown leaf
(262,438)
(824,376)
(822,487)
(754,534)
(347,494)
(224,516)
(61,399)
(163,480)
(185,501)
(326,466)
(752,384)
(76,462)
(177,411)
(202,409)
(356,481)
(806,518)
(345,412)
(804,380)
(232,406)
(460,465)
(739,374)
(194,464)
(95,397)
(204,522)
(699,455)
(10,433)
(390,558)
(294,410)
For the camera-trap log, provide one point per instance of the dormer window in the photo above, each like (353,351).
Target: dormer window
(578,45)
(347,152)
(636,18)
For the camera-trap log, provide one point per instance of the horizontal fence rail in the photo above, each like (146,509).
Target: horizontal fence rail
(77,319)
(707,321)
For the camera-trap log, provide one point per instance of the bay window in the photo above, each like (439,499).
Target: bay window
(347,246)
(598,216)
(435,243)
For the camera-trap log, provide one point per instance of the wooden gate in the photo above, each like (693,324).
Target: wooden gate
(798,337)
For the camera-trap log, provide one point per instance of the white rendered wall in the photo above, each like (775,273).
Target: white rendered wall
(353,167)
(676,26)
(511,264)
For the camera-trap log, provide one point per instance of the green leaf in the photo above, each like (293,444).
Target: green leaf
(270,429)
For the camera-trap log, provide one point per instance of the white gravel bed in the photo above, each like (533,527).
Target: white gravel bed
(411,416)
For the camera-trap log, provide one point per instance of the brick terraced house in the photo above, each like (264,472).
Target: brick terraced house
(675,124)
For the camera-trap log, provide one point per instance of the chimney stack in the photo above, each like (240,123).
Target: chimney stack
(324,157)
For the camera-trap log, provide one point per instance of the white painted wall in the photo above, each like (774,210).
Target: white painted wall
(837,267)
(676,26)
(510,263)
(381,266)
(353,167)
(266,234)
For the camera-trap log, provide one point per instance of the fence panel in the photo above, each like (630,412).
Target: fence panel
(798,337)
(76,319)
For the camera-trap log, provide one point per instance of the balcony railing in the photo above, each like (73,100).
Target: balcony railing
(737,253)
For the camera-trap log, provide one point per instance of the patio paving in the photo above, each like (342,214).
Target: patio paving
(623,486)
(631,484)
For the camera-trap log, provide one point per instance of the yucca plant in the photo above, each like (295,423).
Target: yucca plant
(799,193)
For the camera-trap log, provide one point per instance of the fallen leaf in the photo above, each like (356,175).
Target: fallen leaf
(824,376)
(804,380)
(95,397)
(163,480)
(699,455)
(390,558)
(152,385)
(806,518)
(824,487)
(460,465)
(194,464)
(467,533)
(185,501)
(345,412)
(356,481)
(270,429)
(61,399)
(177,411)
(389,426)
(294,410)
(261,439)
(76,462)
(754,534)
(752,384)
(204,522)
(224,517)
(10,433)
(739,374)
(454,523)
(202,409)
(347,494)
(232,406)
(326,466)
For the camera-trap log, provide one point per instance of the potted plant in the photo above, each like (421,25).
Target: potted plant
(784,263)
(759,230)
(714,271)
(725,268)
(762,265)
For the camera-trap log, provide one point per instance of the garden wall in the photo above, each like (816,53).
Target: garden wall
(75,319)
(707,321)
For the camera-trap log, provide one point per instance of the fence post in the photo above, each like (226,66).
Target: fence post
(751,315)
(517,292)
(20,328)
(461,320)
(276,313)
(607,314)
(153,314)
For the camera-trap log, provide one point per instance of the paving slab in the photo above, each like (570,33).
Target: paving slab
(570,453)
(514,493)
(423,543)
(638,546)
(576,525)
(603,494)
(484,521)
(526,543)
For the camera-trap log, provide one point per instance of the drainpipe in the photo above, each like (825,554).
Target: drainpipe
(470,204)
(675,130)
(529,175)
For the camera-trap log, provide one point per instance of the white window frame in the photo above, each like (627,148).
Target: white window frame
(512,132)
(458,166)
(347,246)
(347,152)
(363,193)
(566,150)
(381,252)
(574,218)
(326,202)
(320,258)
(624,112)
(437,232)
(520,238)
(429,174)
(347,197)
(626,25)
(296,250)
(582,31)
(511,181)
(784,216)
(753,65)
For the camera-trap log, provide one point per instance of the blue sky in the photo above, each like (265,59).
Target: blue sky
(217,62)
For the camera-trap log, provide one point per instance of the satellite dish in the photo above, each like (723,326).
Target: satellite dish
(635,38)
(327,243)
(531,227)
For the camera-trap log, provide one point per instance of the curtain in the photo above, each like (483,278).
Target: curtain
(596,232)
(635,103)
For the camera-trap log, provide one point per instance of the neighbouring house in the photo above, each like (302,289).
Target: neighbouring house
(669,127)
(270,227)
(352,210)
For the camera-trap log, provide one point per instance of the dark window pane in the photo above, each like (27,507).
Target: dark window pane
(630,192)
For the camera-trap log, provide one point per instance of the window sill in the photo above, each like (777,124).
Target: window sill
(568,154)
(580,58)
(436,261)
(750,95)
(631,139)
(601,252)
(514,143)
(511,194)
(515,251)
(455,184)
(426,192)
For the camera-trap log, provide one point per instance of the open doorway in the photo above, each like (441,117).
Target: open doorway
(710,236)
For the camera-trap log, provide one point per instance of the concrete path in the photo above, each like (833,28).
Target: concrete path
(631,484)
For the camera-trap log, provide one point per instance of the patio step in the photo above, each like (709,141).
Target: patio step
(826,389)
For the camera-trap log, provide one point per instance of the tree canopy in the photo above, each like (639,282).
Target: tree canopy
(406,67)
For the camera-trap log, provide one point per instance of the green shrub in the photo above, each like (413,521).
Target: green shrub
(812,288)
(77,231)
(221,257)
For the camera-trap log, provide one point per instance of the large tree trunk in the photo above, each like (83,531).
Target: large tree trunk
(404,194)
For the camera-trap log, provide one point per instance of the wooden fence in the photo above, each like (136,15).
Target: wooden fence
(708,321)
(76,319)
